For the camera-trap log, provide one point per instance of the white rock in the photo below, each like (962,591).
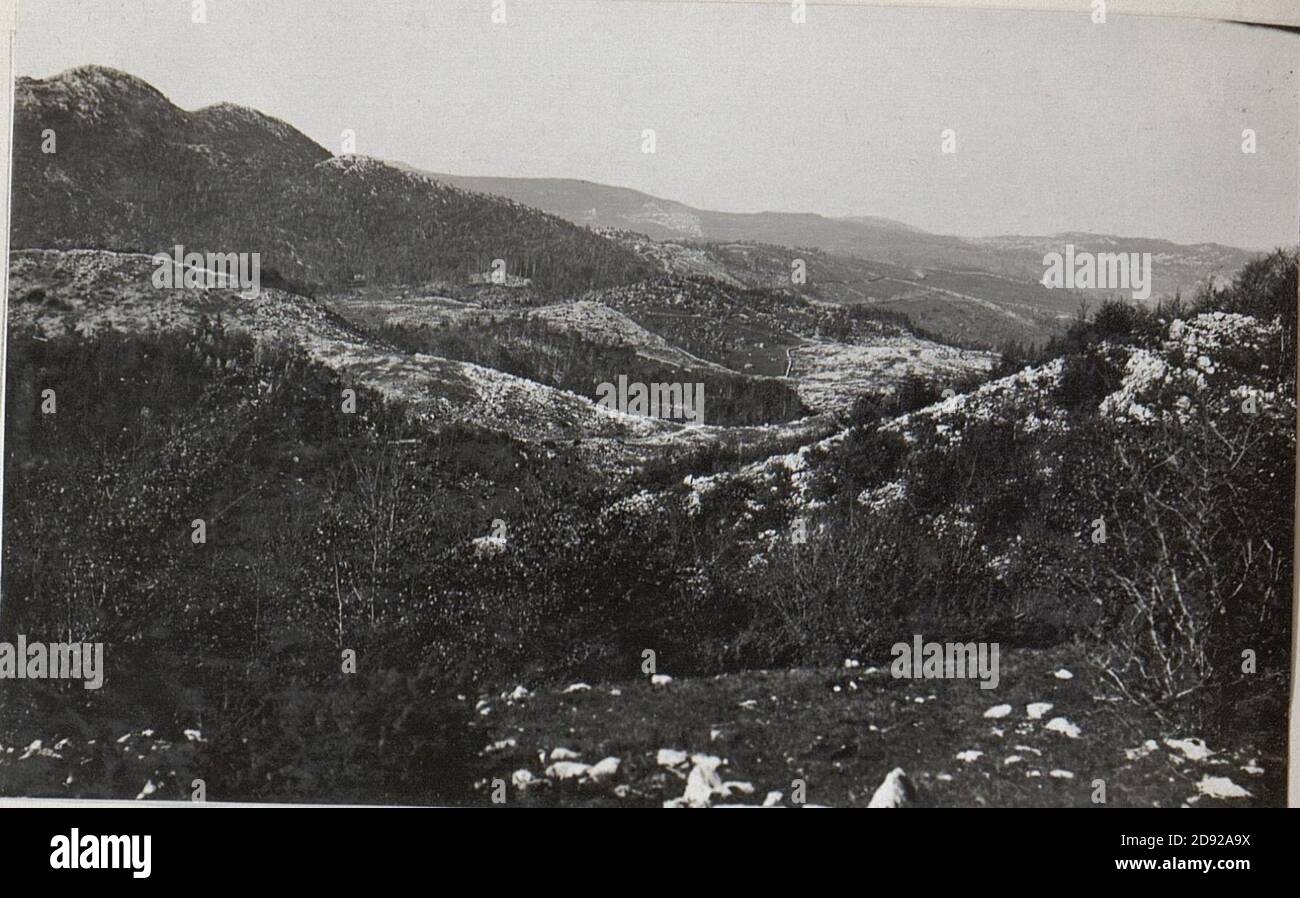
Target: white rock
(563,754)
(519,693)
(1135,754)
(670,757)
(1061,774)
(894,792)
(702,784)
(1220,787)
(1063,674)
(1252,767)
(567,770)
(1038,709)
(149,789)
(500,745)
(1193,749)
(522,778)
(603,769)
(1064,727)
(1012,759)
(969,755)
(997,712)
(660,680)
(772,799)
(731,787)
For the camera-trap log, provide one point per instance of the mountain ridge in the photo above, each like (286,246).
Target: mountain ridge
(128,170)
(871,237)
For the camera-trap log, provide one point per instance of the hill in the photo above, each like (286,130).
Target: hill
(95,290)
(130,171)
(1176,267)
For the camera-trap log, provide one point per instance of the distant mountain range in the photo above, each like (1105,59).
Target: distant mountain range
(130,171)
(1176,267)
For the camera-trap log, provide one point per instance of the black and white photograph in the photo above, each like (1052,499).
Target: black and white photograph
(647,404)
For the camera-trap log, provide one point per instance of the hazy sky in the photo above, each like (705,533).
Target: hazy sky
(1133,127)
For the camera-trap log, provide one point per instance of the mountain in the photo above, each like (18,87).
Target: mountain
(1176,267)
(602,206)
(131,171)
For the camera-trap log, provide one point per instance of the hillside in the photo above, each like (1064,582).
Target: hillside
(1176,267)
(968,308)
(840,731)
(477,580)
(599,205)
(133,172)
(94,290)
(502,599)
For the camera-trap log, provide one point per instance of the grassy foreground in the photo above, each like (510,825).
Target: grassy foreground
(842,731)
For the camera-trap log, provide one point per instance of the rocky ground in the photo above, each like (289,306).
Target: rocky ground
(857,737)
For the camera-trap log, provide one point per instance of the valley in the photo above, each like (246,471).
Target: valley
(408,464)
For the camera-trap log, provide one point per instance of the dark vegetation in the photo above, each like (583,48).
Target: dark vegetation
(1196,567)
(561,358)
(241,637)
(1265,288)
(139,174)
(329,532)
(745,329)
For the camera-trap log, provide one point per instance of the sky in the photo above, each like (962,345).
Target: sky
(1132,127)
